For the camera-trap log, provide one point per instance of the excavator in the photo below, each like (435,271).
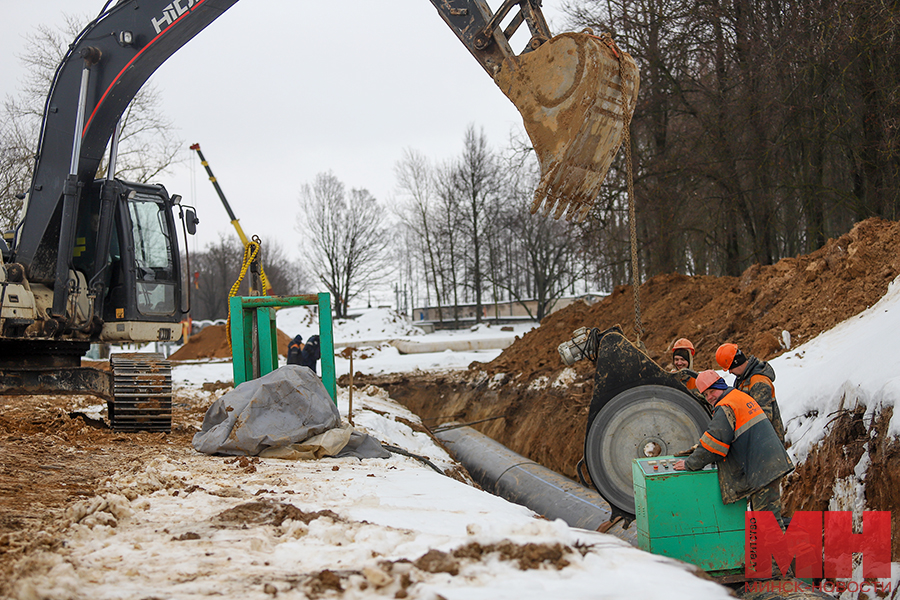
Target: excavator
(98,259)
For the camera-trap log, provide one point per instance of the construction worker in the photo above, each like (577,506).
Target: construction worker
(755,377)
(311,353)
(295,349)
(742,442)
(683,361)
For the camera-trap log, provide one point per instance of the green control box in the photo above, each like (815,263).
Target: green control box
(681,514)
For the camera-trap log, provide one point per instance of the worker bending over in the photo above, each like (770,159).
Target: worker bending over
(751,460)
(754,377)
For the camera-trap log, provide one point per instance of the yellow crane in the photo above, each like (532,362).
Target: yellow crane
(234,220)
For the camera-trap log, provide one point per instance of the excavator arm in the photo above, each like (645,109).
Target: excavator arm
(575,92)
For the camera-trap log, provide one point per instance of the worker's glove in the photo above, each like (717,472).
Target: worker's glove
(687,452)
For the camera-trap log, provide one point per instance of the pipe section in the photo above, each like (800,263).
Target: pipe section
(504,473)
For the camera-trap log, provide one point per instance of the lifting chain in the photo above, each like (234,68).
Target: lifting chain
(635,275)
(251,251)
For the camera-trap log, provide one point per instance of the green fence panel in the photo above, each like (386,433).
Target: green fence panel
(243,309)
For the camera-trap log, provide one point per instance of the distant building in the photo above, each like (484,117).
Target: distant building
(499,312)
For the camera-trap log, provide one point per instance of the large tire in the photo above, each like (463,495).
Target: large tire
(647,420)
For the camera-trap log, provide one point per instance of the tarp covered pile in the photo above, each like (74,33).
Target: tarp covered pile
(285,414)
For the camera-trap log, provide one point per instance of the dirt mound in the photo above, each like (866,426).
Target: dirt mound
(212,342)
(804,296)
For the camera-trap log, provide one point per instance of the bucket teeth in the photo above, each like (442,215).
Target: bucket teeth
(570,94)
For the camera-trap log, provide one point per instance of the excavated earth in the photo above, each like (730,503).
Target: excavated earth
(52,454)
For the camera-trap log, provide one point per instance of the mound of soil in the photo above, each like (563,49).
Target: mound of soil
(811,486)
(804,296)
(212,342)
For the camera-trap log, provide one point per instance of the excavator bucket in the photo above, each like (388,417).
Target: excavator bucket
(576,94)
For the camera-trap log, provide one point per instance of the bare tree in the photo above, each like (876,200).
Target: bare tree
(543,249)
(287,277)
(415,180)
(215,270)
(762,128)
(449,234)
(476,181)
(148,144)
(346,238)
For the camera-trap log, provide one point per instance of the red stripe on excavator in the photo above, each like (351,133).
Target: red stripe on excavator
(130,62)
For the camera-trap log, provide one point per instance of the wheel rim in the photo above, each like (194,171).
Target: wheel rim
(649,420)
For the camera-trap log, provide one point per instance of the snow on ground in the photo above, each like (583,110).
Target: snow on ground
(371,329)
(398,509)
(378,324)
(855,363)
(190,525)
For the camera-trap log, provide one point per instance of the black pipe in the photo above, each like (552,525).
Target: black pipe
(504,473)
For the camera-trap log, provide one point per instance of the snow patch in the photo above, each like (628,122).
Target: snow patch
(566,378)
(539,383)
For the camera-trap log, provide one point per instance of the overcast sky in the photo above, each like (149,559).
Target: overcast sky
(276,91)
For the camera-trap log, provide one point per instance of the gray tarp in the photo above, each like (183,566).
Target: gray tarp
(285,414)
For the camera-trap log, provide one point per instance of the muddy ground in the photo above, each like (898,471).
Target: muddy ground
(51,457)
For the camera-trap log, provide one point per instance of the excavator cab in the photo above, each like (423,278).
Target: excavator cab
(145,273)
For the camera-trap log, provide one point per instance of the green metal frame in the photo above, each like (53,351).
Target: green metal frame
(242,310)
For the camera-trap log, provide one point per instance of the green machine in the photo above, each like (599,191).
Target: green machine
(680,514)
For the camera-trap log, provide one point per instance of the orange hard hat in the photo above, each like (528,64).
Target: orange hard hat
(706,379)
(725,355)
(684,343)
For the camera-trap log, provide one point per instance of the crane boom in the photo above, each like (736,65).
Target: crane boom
(215,182)
(234,220)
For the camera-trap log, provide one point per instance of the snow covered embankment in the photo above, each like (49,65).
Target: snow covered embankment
(838,395)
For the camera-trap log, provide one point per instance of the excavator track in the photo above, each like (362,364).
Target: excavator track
(142,392)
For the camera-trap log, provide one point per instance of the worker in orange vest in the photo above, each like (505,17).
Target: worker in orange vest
(751,460)
(683,361)
(754,377)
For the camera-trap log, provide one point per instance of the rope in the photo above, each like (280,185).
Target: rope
(629,171)
(251,250)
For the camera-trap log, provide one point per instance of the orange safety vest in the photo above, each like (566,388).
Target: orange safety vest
(746,414)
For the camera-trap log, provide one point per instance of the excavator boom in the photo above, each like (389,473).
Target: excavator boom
(575,93)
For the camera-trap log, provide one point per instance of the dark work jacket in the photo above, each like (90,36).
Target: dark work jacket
(757,381)
(744,446)
(295,347)
(312,352)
